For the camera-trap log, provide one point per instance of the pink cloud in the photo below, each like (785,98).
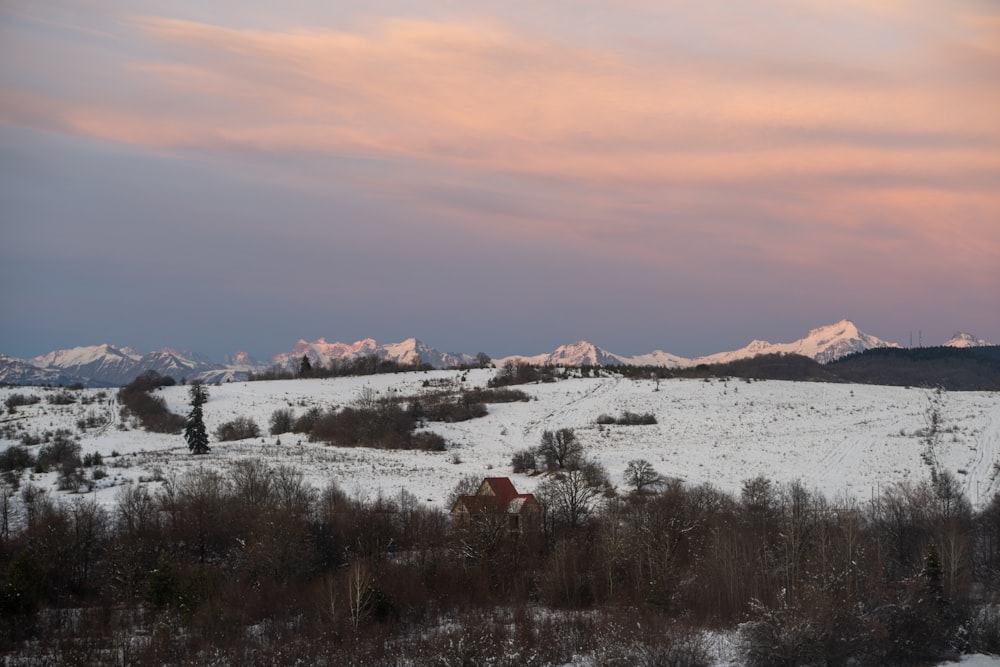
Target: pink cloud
(479,96)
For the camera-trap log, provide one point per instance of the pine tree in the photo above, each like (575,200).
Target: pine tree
(194,428)
(305,367)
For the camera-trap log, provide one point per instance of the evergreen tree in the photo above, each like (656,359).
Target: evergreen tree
(194,428)
(305,367)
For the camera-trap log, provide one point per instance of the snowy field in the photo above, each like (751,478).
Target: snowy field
(843,440)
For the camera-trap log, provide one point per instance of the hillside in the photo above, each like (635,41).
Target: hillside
(837,438)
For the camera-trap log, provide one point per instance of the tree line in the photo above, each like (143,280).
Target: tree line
(256,565)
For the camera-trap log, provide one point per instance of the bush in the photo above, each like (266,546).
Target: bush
(151,411)
(496,395)
(15,401)
(62,452)
(306,422)
(240,428)
(92,420)
(458,411)
(524,461)
(282,421)
(61,398)
(93,459)
(16,457)
(428,441)
(519,373)
(628,419)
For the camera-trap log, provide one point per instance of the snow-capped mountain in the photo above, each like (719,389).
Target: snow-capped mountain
(823,344)
(241,360)
(23,372)
(962,339)
(409,351)
(108,365)
(579,353)
(173,363)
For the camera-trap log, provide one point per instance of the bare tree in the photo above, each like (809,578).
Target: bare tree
(639,473)
(359,592)
(570,498)
(560,449)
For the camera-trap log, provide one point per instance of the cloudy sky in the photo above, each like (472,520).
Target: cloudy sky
(496,176)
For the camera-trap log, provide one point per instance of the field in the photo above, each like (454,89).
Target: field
(841,440)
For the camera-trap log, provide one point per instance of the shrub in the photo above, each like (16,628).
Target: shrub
(628,419)
(62,452)
(517,373)
(93,459)
(16,457)
(307,421)
(497,395)
(92,420)
(15,401)
(458,411)
(61,398)
(524,461)
(428,441)
(240,428)
(282,421)
(151,411)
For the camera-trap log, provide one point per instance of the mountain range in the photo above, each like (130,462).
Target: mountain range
(108,365)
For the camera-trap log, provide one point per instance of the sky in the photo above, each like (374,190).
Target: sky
(499,177)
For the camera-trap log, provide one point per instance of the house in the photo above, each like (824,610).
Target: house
(498,499)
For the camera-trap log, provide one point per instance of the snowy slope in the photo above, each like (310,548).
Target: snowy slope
(840,439)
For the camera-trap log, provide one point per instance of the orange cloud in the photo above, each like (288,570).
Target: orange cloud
(894,139)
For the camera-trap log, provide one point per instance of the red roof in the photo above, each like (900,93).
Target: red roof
(495,495)
(501,487)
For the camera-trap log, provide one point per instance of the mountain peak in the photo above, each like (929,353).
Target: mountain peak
(823,344)
(963,339)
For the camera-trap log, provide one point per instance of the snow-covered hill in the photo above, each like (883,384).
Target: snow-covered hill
(844,440)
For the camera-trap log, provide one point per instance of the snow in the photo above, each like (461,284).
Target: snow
(843,440)
(977,660)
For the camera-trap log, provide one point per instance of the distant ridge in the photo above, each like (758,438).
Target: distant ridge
(110,365)
(822,344)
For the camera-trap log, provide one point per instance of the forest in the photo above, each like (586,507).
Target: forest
(257,566)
